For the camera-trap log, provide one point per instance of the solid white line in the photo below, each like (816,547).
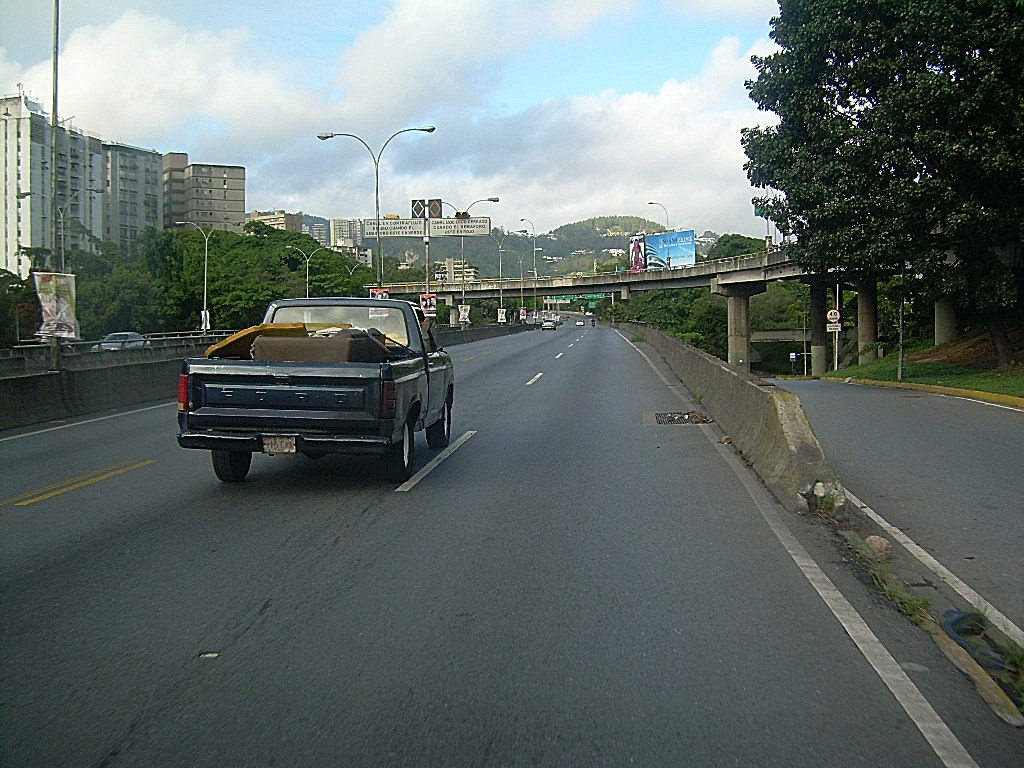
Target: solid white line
(531,381)
(87,421)
(935,731)
(1005,625)
(408,484)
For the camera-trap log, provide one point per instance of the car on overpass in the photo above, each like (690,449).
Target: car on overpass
(123,340)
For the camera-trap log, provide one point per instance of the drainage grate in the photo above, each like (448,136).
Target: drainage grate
(690,417)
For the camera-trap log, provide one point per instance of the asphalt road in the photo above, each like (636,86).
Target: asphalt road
(947,471)
(573,585)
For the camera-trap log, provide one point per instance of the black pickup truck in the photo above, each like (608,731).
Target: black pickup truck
(318,376)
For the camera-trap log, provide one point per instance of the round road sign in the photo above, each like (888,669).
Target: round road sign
(832,316)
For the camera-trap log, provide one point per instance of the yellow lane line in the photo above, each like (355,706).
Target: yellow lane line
(76,482)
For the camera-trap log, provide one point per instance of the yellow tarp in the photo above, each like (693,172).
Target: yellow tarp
(239,345)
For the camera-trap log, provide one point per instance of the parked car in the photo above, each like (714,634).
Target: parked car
(123,340)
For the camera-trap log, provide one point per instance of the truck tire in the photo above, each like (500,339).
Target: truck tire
(231,466)
(398,459)
(440,432)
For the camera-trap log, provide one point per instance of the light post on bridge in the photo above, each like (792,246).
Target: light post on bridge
(533,231)
(376,181)
(462,238)
(501,242)
(668,248)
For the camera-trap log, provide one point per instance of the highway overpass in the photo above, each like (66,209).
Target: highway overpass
(737,278)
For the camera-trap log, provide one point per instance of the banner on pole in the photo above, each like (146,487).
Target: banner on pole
(56,293)
(428,303)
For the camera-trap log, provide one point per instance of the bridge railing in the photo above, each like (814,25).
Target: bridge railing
(40,357)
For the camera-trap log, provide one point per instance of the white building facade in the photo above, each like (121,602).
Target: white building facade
(61,212)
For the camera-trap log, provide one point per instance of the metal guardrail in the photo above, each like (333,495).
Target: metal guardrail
(36,358)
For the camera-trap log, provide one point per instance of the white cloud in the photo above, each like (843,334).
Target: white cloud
(224,96)
(569,160)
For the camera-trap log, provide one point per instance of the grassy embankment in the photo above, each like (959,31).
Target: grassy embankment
(963,364)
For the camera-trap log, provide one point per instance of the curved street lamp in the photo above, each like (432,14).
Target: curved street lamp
(668,248)
(533,231)
(307,258)
(665,210)
(501,241)
(204,321)
(462,238)
(376,180)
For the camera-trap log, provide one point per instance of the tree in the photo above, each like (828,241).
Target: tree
(735,245)
(899,146)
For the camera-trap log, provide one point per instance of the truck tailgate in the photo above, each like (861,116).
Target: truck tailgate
(256,395)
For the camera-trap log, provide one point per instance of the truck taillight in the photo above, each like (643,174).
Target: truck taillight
(388,399)
(182,392)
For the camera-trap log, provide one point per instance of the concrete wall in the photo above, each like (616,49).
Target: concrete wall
(766,424)
(63,394)
(36,398)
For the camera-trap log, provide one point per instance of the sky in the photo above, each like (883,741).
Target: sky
(563,109)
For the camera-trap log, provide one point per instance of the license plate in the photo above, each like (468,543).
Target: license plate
(279,443)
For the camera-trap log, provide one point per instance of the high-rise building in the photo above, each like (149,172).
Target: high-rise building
(59,209)
(204,195)
(318,228)
(134,180)
(346,232)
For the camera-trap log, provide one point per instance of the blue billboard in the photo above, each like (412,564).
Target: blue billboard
(666,250)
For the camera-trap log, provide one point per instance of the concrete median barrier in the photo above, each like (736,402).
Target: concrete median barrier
(766,424)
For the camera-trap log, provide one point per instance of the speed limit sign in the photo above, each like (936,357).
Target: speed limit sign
(833,316)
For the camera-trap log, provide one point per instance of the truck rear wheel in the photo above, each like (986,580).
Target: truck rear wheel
(398,459)
(440,432)
(231,466)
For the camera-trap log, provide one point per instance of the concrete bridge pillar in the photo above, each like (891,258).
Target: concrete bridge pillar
(625,292)
(867,320)
(819,337)
(945,320)
(738,304)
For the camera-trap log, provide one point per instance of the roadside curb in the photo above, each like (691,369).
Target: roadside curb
(971,394)
(905,582)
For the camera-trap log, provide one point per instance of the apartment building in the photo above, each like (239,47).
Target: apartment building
(290,222)
(454,271)
(209,196)
(134,182)
(53,205)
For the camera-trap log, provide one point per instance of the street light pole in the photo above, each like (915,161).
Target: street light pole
(668,249)
(462,238)
(307,258)
(204,321)
(501,296)
(533,230)
(665,210)
(376,181)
